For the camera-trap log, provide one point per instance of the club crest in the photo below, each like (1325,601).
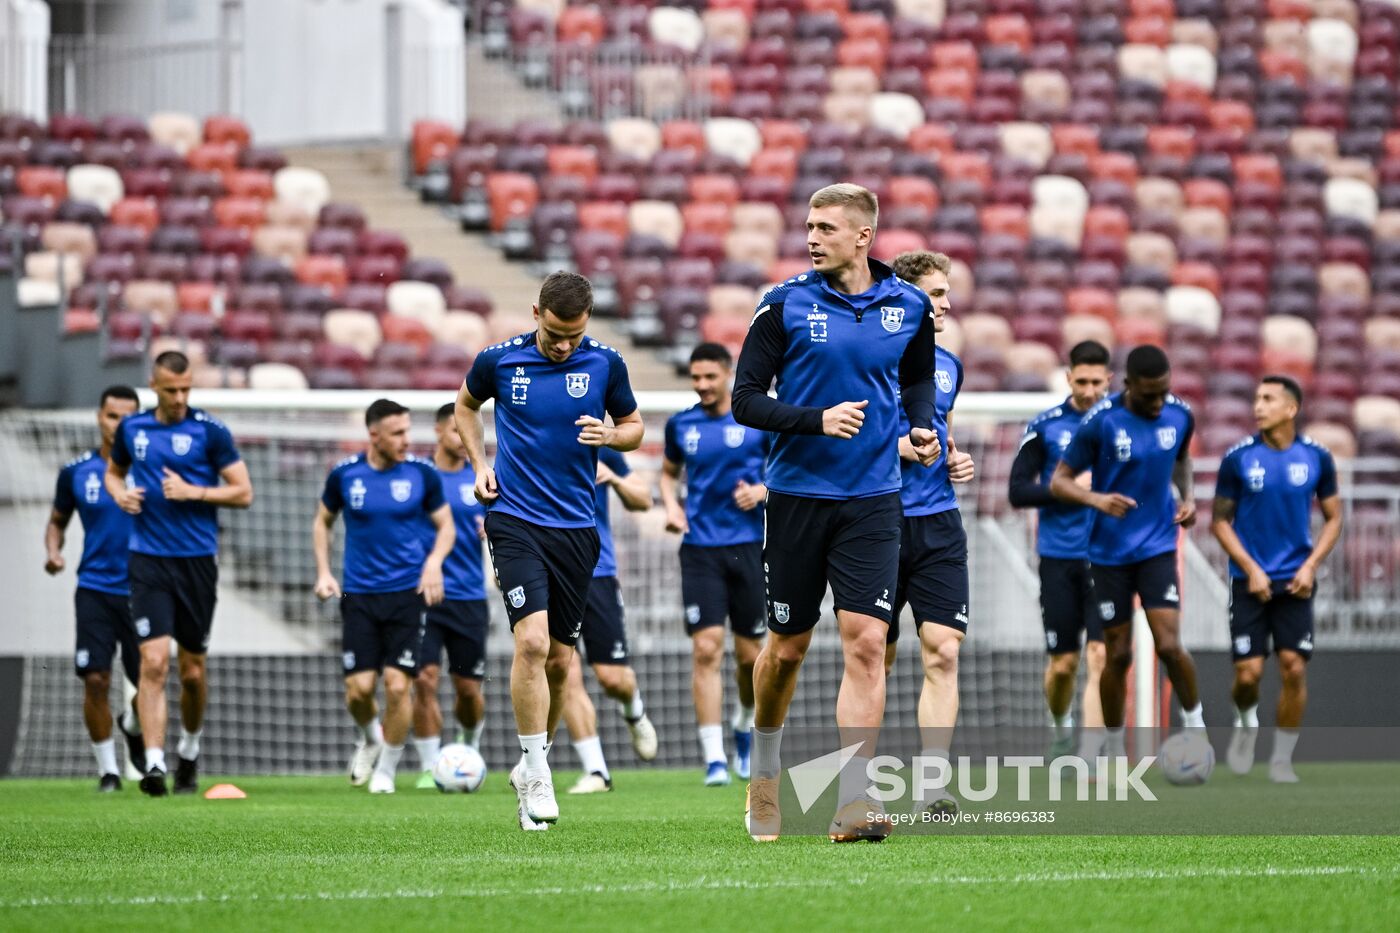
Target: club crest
(891,319)
(401,489)
(467,492)
(944,380)
(1166,438)
(516,597)
(1297,473)
(781,613)
(1107,610)
(734,435)
(576,384)
(180,443)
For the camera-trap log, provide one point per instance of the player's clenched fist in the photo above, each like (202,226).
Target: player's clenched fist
(486,489)
(844,420)
(1115,504)
(927,449)
(326,586)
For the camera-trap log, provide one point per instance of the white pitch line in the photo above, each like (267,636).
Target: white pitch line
(706,884)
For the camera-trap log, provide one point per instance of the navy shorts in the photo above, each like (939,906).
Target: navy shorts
(720,582)
(1285,619)
(459,625)
(174,596)
(1067,605)
(379,629)
(104,622)
(932,572)
(604,634)
(1154,581)
(541,569)
(852,544)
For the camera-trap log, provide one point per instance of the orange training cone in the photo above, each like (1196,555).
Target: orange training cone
(224,792)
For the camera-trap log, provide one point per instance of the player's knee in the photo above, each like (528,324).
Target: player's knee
(1292,668)
(1247,675)
(556,668)
(533,647)
(154,667)
(613,678)
(1064,665)
(97,684)
(1169,649)
(787,654)
(867,649)
(427,680)
(1094,656)
(942,659)
(708,655)
(395,688)
(468,690)
(1119,655)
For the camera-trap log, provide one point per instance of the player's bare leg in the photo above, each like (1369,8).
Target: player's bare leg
(97,716)
(581,719)
(359,701)
(150,701)
(1181,669)
(707,690)
(194,697)
(1061,670)
(1292,701)
(745,654)
(939,646)
(427,721)
(891,654)
(774,680)
(398,715)
(470,708)
(619,682)
(860,711)
(1244,692)
(538,674)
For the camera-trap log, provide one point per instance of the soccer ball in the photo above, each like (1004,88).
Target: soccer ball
(459,769)
(1186,758)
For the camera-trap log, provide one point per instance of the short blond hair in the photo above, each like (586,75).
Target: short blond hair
(861,200)
(916,264)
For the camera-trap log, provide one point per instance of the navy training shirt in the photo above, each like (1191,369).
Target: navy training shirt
(384,509)
(717,452)
(1274,490)
(463,573)
(198,449)
(825,347)
(106,528)
(545,476)
(927,490)
(607,552)
(1134,456)
(1063,529)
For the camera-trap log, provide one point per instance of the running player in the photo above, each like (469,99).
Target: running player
(553,387)
(721,551)
(460,621)
(1262,517)
(1137,443)
(604,637)
(933,544)
(390,577)
(184,467)
(1067,608)
(842,341)
(100,603)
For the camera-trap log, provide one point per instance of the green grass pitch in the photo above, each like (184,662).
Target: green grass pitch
(660,852)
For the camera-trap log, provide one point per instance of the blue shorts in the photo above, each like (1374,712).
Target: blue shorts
(1067,606)
(1154,581)
(1285,619)
(932,572)
(104,621)
(604,633)
(174,596)
(381,629)
(540,569)
(459,625)
(724,582)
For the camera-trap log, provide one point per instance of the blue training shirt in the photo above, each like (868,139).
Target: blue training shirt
(607,552)
(1274,490)
(384,549)
(1133,456)
(106,528)
(717,452)
(198,449)
(825,347)
(927,490)
(1063,530)
(545,476)
(463,573)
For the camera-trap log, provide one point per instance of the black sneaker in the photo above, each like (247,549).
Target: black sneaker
(153,784)
(186,773)
(109,783)
(135,746)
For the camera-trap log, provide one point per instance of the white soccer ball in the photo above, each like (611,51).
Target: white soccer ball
(1186,758)
(459,769)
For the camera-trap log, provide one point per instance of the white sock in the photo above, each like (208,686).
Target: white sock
(536,749)
(767,743)
(427,751)
(131,722)
(106,754)
(1090,741)
(854,779)
(1193,718)
(1114,742)
(389,759)
(473,736)
(633,709)
(1064,725)
(712,743)
(155,758)
(372,732)
(590,754)
(1285,740)
(743,718)
(188,746)
(1247,716)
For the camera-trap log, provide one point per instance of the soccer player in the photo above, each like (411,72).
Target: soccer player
(842,341)
(1137,443)
(1262,516)
(100,603)
(933,544)
(604,637)
(721,551)
(184,468)
(1067,608)
(552,387)
(390,577)
(460,621)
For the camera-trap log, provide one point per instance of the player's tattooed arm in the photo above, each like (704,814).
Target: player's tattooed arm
(1222,525)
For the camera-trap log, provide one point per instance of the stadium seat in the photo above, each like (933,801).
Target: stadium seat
(358,330)
(303,188)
